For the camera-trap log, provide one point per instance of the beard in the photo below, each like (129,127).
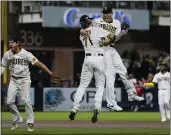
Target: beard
(108,20)
(163,70)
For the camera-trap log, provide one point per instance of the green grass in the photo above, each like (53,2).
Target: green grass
(84,116)
(104,116)
(136,131)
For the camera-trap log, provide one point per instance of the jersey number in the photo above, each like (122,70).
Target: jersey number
(86,39)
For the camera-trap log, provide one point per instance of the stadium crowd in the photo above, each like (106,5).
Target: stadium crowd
(141,67)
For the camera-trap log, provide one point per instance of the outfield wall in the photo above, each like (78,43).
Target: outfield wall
(61,99)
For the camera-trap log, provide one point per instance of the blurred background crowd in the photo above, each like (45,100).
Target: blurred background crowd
(49,30)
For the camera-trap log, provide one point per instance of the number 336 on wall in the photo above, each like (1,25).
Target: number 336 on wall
(30,38)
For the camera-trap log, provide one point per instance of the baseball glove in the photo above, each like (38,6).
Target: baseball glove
(54,79)
(107,40)
(124,26)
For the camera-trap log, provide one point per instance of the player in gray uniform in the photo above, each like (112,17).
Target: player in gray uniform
(17,59)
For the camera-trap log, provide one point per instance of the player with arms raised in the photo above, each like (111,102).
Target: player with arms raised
(113,59)
(94,63)
(17,59)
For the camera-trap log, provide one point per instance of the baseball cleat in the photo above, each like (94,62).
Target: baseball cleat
(115,108)
(15,125)
(94,118)
(163,120)
(72,115)
(30,127)
(136,98)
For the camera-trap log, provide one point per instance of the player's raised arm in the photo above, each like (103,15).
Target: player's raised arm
(121,30)
(35,61)
(84,32)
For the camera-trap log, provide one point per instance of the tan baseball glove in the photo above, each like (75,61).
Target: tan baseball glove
(54,79)
(110,38)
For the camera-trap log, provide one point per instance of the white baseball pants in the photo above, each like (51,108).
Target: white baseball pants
(164,106)
(110,79)
(21,87)
(92,65)
(121,70)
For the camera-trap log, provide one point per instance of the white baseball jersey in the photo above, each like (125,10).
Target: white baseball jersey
(113,61)
(91,43)
(114,26)
(18,63)
(163,80)
(93,64)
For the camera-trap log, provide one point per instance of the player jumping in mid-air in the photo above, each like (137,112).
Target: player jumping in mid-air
(108,23)
(162,79)
(17,59)
(94,63)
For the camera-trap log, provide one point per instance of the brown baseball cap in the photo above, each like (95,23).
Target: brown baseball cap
(107,10)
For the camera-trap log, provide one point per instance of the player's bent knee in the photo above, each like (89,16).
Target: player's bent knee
(126,75)
(9,103)
(27,102)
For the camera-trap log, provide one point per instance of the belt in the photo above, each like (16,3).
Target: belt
(99,54)
(163,89)
(16,78)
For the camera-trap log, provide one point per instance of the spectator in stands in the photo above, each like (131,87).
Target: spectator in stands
(139,89)
(150,77)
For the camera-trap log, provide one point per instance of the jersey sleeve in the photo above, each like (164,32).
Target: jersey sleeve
(32,58)
(118,27)
(4,61)
(155,79)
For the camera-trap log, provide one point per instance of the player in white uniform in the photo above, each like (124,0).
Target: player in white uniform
(94,63)
(162,79)
(17,59)
(108,23)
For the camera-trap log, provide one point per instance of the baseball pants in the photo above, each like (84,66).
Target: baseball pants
(92,65)
(164,106)
(110,79)
(121,70)
(21,87)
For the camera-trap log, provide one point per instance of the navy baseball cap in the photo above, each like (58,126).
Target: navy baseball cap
(15,39)
(84,18)
(107,10)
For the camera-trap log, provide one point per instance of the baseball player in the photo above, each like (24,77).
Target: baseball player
(17,59)
(94,63)
(107,23)
(163,80)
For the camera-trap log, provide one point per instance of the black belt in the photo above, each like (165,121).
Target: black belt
(89,54)
(163,89)
(17,77)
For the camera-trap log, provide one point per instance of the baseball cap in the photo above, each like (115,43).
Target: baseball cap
(107,10)
(83,18)
(15,39)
